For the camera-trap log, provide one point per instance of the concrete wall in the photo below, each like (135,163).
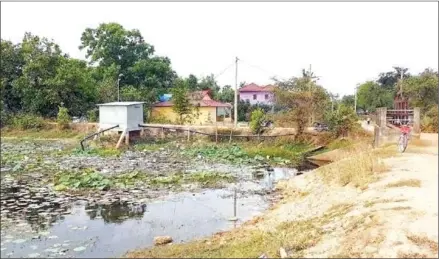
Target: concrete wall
(112,115)
(135,116)
(260,97)
(204,114)
(128,117)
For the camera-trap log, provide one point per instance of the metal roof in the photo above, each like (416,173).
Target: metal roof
(119,103)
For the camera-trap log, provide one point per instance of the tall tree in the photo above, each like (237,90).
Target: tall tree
(181,102)
(389,79)
(111,45)
(371,95)
(422,89)
(11,66)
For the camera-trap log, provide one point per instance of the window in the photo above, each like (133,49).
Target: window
(254,97)
(266,97)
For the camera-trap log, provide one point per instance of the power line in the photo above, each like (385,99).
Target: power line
(262,69)
(224,70)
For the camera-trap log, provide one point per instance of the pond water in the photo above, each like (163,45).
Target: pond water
(80,230)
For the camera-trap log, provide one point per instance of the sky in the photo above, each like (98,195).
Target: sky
(345,43)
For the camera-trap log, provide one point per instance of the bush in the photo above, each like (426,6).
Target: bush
(63,119)
(341,121)
(27,121)
(256,120)
(92,115)
(429,121)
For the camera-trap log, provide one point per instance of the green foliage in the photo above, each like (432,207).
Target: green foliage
(233,154)
(389,80)
(63,119)
(227,94)
(348,100)
(256,120)
(422,90)
(302,99)
(27,121)
(77,180)
(90,179)
(92,115)
(371,95)
(342,120)
(181,102)
(429,122)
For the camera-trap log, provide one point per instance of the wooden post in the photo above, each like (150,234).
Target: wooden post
(216,134)
(231,131)
(376,142)
(142,132)
(127,138)
(188,135)
(120,139)
(162,134)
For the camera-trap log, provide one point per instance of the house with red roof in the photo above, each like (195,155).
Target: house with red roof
(208,111)
(257,94)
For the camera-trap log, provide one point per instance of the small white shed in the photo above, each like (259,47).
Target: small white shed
(128,115)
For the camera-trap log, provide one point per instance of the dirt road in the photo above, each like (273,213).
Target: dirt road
(398,213)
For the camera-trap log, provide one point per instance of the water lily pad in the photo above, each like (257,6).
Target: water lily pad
(3,248)
(52,237)
(79,248)
(34,247)
(33,255)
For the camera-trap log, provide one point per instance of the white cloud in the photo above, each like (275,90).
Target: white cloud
(346,43)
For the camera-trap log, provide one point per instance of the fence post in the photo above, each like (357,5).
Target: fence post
(417,120)
(376,131)
(216,134)
(188,135)
(231,131)
(162,134)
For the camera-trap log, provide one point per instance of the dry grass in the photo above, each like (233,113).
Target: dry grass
(294,236)
(369,204)
(399,208)
(424,242)
(405,183)
(360,167)
(360,232)
(411,255)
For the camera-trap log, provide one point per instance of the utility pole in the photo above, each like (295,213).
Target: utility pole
(236,93)
(355,99)
(118,87)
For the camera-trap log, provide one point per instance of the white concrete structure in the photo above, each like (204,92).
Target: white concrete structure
(128,115)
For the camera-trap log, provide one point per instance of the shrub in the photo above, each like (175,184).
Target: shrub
(63,118)
(341,121)
(429,121)
(92,115)
(27,121)
(256,120)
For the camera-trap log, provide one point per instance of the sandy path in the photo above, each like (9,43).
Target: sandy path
(387,222)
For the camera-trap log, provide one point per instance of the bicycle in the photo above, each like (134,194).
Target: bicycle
(403,138)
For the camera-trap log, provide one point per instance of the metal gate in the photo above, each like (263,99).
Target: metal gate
(398,117)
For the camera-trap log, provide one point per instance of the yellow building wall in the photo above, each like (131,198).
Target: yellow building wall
(204,114)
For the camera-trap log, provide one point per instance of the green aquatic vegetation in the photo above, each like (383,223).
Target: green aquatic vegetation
(90,179)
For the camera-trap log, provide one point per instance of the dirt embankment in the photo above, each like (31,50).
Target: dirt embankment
(376,204)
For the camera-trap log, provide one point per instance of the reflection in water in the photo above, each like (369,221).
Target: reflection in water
(115,213)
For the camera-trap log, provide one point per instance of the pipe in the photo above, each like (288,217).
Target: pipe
(94,134)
